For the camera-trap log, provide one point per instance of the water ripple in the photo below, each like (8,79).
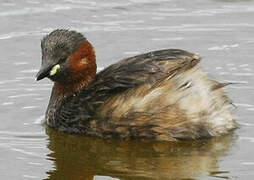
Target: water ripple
(251,139)
(30,107)
(34,10)
(168,39)
(244,65)
(223,47)
(20,63)
(248,163)
(20,34)
(30,177)
(7,103)
(242,74)
(246,124)
(29,71)
(40,120)
(243,105)
(109,23)
(25,152)
(19,134)
(22,95)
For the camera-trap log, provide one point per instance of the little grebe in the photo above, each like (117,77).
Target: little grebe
(160,95)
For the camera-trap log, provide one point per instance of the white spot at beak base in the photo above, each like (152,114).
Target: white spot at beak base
(54,70)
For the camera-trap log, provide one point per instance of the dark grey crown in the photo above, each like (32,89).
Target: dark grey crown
(61,40)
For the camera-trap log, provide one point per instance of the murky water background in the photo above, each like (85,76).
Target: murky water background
(221,31)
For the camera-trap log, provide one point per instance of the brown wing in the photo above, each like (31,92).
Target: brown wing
(145,68)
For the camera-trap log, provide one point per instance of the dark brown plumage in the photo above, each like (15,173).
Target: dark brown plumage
(161,95)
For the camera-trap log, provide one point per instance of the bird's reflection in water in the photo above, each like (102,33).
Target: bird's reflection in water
(79,158)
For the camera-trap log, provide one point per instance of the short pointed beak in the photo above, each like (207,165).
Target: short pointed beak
(43,72)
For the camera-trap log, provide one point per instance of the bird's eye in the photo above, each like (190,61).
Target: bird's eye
(61,60)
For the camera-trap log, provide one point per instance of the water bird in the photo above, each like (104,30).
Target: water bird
(162,95)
